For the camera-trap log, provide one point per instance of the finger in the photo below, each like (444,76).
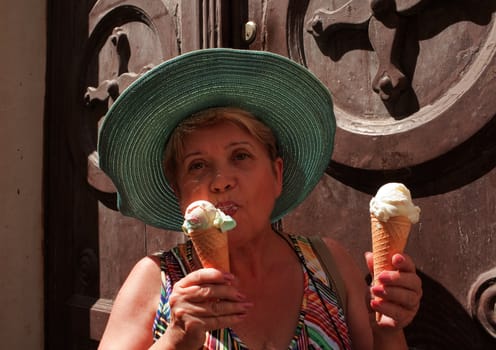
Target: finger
(207,292)
(406,280)
(402,266)
(219,322)
(393,315)
(223,308)
(214,308)
(389,322)
(369,259)
(205,276)
(403,262)
(226,313)
(400,305)
(406,298)
(209,308)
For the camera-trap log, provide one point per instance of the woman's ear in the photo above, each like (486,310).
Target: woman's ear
(178,197)
(278,172)
(175,190)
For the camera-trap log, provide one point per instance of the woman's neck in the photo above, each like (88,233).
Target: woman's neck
(252,259)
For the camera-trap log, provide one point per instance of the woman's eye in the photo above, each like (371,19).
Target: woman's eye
(241,156)
(196,166)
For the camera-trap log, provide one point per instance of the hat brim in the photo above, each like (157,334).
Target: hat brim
(281,93)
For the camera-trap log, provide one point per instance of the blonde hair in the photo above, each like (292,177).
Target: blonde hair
(210,117)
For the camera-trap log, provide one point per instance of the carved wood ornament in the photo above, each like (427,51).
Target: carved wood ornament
(386,20)
(118,63)
(482,301)
(403,73)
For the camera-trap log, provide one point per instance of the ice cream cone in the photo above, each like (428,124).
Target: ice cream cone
(388,238)
(392,213)
(212,248)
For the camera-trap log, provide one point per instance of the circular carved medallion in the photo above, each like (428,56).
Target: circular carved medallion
(410,83)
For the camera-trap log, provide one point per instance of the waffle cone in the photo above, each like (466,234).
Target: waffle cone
(211,247)
(388,238)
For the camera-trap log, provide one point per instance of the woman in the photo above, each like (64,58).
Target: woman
(255,159)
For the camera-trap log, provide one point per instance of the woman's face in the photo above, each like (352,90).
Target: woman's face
(230,168)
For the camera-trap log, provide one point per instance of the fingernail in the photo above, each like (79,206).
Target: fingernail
(399,259)
(248,305)
(378,290)
(240,296)
(385,278)
(228,276)
(374,303)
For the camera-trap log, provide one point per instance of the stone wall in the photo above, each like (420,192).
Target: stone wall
(22,90)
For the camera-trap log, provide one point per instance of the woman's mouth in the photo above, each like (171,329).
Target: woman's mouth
(228,208)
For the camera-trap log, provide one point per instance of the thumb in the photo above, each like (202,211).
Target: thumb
(369,259)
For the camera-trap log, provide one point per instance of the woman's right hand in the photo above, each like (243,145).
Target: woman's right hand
(204,300)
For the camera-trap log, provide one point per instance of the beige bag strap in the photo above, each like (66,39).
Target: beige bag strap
(328,263)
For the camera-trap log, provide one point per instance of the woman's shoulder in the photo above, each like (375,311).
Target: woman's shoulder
(345,262)
(146,269)
(136,300)
(338,251)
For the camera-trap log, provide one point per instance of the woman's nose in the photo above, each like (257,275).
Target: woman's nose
(221,183)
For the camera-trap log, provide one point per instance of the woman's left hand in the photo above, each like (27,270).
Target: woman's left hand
(398,293)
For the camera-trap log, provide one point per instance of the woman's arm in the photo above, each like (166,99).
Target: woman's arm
(203,300)
(131,320)
(357,316)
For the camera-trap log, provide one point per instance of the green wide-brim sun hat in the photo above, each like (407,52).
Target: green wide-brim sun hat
(281,93)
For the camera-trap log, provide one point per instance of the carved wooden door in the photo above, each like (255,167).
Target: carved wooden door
(412,83)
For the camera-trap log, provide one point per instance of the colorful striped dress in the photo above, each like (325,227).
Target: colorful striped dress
(321,324)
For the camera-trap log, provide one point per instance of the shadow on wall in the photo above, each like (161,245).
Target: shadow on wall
(443,323)
(458,167)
